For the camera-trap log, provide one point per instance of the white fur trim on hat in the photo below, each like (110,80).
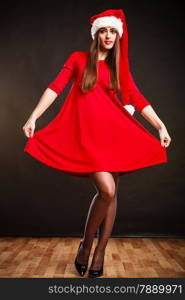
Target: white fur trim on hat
(106,22)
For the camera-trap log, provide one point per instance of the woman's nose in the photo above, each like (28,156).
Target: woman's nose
(108,34)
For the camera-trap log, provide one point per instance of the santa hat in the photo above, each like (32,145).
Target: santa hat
(116,18)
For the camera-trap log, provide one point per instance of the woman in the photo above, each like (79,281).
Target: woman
(94,135)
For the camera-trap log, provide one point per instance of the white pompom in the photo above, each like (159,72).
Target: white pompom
(130,108)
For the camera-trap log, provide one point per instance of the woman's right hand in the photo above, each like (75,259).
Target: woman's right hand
(29,128)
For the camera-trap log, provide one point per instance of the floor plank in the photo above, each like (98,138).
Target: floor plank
(29,257)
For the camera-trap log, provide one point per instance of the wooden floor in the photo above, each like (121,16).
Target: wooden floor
(124,257)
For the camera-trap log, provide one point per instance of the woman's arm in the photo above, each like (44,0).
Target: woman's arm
(45,101)
(50,94)
(150,115)
(136,97)
(144,107)
(55,87)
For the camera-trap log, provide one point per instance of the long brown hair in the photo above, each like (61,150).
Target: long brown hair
(90,73)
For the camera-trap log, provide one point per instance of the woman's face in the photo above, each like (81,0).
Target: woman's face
(107,36)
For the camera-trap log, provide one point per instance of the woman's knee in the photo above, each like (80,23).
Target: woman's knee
(106,185)
(108,194)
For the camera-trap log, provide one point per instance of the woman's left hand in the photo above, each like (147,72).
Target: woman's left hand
(164,137)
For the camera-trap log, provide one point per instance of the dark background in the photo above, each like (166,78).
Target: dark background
(36,39)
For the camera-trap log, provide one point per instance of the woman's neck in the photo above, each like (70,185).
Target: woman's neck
(102,55)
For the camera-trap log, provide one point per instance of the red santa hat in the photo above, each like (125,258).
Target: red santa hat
(116,18)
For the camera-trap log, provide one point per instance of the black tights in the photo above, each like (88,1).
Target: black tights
(100,217)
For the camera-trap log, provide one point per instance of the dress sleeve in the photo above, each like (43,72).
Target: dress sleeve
(136,97)
(65,75)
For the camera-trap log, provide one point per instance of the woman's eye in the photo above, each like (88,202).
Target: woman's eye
(112,31)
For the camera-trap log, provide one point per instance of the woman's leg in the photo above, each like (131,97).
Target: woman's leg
(106,226)
(106,192)
(105,229)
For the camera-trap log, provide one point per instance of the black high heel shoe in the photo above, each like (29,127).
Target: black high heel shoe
(96,273)
(81,268)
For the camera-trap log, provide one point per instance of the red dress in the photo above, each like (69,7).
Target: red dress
(93,131)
